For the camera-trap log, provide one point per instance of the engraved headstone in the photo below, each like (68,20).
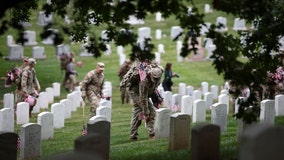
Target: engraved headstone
(45,120)
(219,116)
(162,123)
(58,110)
(179,138)
(7,120)
(30,141)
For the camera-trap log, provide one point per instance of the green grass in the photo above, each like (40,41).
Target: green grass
(191,73)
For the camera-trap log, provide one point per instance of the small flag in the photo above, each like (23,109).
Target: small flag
(84,131)
(18,143)
(142,72)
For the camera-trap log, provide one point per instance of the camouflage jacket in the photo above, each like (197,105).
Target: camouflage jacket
(123,70)
(28,81)
(93,82)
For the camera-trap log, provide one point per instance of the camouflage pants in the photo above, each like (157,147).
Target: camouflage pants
(124,94)
(94,102)
(136,120)
(71,82)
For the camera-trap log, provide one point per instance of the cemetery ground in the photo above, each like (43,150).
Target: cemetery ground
(191,73)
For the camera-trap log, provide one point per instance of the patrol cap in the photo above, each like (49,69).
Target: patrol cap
(26,59)
(31,61)
(101,65)
(156,72)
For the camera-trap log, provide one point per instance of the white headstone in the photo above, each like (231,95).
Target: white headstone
(8,100)
(159,17)
(50,94)
(44,19)
(186,104)
(67,107)
(7,120)
(207,8)
(56,89)
(97,118)
(204,87)
(176,31)
(199,111)
(239,24)
(10,40)
(43,100)
(161,48)
(38,52)
(196,95)
(22,113)
(267,112)
(158,57)
(158,34)
(219,116)
(162,123)
(176,102)
(122,58)
(104,111)
(16,52)
(72,97)
(45,119)
(208,98)
(62,49)
(58,111)
(224,99)
(167,99)
(189,90)
(144,32)
(279,105)
(214,90)
(223,21)
(182,89)
(30,36)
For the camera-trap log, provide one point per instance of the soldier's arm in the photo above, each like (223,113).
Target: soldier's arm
(143,97)
(24,79)
(85,82)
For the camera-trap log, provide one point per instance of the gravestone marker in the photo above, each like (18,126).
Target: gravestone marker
(30,141)
(186,105)
(267,112)
(8,101)
(162,123)
(219,116)
(22,113)
(279,105)
(262,142)
(199,111)
(7,120)
(101,128)
(104,111)
(179,138)
(205,142)
(45,120)
(67,107)
(8,146)
(58,110)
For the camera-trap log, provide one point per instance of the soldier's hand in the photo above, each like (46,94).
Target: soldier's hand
(83,94)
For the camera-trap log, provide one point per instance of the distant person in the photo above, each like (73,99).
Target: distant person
(70,75)
(143,78)
(92,86)
(167,82)
(29,85)
(124,93)
(64,61)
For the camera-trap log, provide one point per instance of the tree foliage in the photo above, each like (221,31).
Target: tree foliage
(256,45)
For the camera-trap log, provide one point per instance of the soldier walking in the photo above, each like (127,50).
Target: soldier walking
(124,93)
(92,85)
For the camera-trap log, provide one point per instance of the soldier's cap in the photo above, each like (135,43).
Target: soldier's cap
(156,72)
(32,61)
(101,65)
(26,59)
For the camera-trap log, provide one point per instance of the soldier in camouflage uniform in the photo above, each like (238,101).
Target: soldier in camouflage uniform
(140,90)
(29,83)
(91,87)
(124,93)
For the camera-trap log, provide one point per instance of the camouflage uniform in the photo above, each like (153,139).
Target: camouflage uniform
(70,76)
(91,87)
(140,91)
(124,92)
(29,83)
